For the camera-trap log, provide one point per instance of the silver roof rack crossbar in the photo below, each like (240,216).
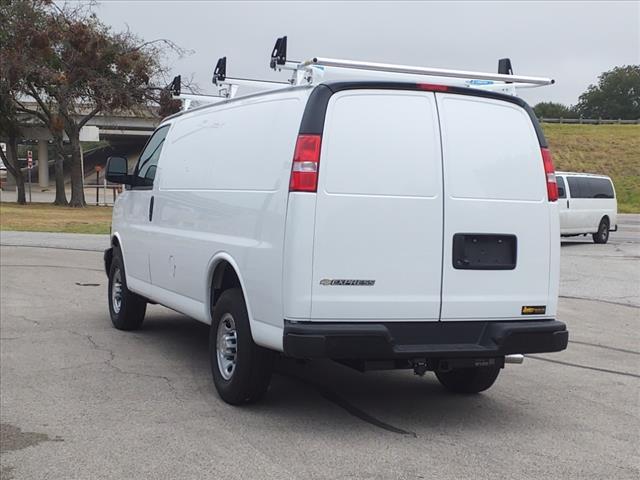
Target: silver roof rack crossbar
(313,71)
(427,71)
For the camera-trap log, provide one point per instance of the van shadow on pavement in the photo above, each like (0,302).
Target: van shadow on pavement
(395,401)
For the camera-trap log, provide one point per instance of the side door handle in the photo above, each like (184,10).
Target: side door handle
(151,209)
(567,203)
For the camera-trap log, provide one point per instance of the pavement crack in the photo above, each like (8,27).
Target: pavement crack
(616,349)
(145,375)
(586,367)
(95,346)
(25,319)
(610,302)
(50,247)
(67,267)
(109,363)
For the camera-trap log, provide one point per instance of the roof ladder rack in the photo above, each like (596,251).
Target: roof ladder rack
(313,70)
(427,71)
(228,86)
(175,87)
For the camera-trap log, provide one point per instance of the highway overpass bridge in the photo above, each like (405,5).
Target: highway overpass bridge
(126,132)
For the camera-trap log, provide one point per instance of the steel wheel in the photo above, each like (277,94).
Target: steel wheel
(604,232)
(227,346)
(116,291)
(602,235)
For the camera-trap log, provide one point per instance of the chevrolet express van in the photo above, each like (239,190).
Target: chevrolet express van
(380,224)
(587,205)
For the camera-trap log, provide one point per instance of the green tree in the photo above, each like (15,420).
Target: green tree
(617,95)
(75,67)
(553,110)
(16,63)
(10,132)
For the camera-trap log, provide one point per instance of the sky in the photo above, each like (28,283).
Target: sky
(572,42)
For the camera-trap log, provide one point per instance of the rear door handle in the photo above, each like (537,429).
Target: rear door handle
(567,203)
(151,209)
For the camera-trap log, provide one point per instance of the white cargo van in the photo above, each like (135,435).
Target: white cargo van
(587,205)
(380,224)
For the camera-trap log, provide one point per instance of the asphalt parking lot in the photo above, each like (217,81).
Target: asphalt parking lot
(81,400)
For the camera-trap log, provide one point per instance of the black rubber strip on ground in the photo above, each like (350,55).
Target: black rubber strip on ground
(364,416)
(348,407)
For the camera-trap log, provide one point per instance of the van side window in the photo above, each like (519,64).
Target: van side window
(145,170)
(575,187)
(590,187)
(562,193)
(601,188)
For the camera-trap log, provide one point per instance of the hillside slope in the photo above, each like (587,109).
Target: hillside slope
(613,150)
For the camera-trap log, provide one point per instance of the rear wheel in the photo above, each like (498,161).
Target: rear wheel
(127,309)
(602,235)
(241,369)
(468,380)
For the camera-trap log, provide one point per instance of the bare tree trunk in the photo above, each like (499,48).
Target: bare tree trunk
(61,195)
(77,191)
(13,167)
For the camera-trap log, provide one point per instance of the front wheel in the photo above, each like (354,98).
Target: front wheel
(241,369)
(468,380)
(602,235)
(127,309)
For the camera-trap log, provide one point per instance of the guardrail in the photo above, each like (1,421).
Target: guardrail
(592,121)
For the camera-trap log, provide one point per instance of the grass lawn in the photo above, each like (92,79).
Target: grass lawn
(43,217)
(612,150)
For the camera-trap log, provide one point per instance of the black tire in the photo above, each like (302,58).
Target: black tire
(127,309)
(602,235)
(468,380)
(248,366)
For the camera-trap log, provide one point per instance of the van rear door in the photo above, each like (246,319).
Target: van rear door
(501,238)
(378,235)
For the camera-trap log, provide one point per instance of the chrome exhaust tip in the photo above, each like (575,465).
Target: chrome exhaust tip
(515,358)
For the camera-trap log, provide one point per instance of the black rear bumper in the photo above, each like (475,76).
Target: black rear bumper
(406,340)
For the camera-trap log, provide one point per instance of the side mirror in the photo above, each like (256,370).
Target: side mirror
(117,171)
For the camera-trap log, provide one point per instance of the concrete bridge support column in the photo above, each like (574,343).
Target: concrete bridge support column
(43,163)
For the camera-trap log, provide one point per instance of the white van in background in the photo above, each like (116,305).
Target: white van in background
(380,224)
(587,205)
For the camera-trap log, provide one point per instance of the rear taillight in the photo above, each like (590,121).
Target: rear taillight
(550,173)
(306,160)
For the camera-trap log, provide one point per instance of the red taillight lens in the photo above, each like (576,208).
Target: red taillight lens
(550,173)
(306,160)
(430,87)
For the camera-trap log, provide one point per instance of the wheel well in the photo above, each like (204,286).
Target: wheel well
(224,278)
(606,217)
